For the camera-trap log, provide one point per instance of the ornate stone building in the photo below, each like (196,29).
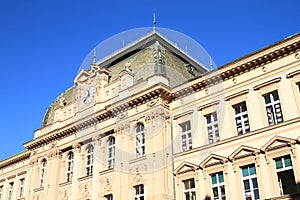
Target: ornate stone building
(151,122)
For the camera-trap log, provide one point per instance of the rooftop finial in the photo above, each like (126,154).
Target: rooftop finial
(154,22)
(94,61)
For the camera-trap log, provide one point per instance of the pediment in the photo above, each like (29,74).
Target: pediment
(82,76)
(212,160)
(243,151)
(277,142)
(185,167)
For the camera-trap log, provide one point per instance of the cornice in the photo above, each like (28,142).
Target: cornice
(156,91)
(14,159)
(207,80)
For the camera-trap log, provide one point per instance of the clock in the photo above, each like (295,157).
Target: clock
(89,95)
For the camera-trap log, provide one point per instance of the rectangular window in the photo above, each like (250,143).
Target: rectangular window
(139,192)
(111,153)
(212,128)
(1,191)
(43,173)
(241,118)
(89,160)
(218,186)
(11,189)
(140,140)
(250,183)
(273,108)
(108,197)
(186,136)
(70,166)
(189,191)
(21,189)
(285,175)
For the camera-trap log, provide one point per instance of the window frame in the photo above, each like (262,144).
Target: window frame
(70,167)
(138,192)
(43,172)
(190,191)
(140,147)
(89,160)
(250,178)
(218,185)
(244,117)
(1,191)
(284,168)
(10,190)
(108,197)
(111,152)
(21,188)
(212,124)
(186,131)
(273,105)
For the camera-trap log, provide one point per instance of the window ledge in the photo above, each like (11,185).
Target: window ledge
(65,183)
(38,189)
(107,171)
(85,177)
(275,80)
(292,74)
(138,159)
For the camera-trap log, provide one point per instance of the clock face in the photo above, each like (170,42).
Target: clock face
(89,95)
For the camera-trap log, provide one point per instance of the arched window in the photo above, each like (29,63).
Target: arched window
(89,160)
(140,140)
(70,166)
(111,153)
(43,172)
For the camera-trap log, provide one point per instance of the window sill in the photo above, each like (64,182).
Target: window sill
(38,189)
(107,171)
(85,177)
(138,159)
(65,183)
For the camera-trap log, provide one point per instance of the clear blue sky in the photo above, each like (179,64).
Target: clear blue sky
(43,42)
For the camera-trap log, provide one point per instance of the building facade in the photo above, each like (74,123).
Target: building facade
(151,122)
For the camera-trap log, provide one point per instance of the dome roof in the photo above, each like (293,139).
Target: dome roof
(146,49)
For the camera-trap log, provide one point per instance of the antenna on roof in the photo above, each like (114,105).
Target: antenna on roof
(154,22)
(210,63)
(94,61)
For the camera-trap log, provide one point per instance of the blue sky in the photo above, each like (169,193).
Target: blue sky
(43,43)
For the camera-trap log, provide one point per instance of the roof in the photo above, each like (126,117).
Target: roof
(151,54)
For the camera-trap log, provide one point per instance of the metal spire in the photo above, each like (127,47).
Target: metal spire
(94,61)
(154,22)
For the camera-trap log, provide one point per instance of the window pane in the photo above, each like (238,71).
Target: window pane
(279,163)
(214,179)
(222,190)
(245,171)
(192,182)
(256,194)
(252,170)
(275,95)
(287,162)
(267,99)
(215,193)
(221,178)
(254,182)
(246,185)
